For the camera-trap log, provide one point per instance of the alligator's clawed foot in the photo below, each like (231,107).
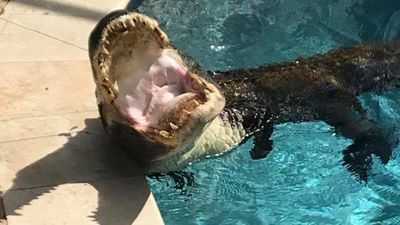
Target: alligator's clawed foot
(357,157)
(182,180)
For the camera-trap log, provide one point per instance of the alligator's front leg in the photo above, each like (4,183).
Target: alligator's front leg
(257,122)
(262,144)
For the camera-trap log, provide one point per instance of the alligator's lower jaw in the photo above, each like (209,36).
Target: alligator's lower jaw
(218,137)
(144,84)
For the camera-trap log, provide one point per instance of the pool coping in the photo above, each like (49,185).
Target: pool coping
(34,47)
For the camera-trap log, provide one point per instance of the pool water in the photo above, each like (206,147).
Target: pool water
(302,180)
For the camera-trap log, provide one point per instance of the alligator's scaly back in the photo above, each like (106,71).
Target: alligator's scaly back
(352,70)
(366,67)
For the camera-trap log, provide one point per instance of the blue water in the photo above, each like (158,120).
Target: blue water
(302,180)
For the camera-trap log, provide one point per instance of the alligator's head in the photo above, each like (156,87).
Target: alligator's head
(153,99)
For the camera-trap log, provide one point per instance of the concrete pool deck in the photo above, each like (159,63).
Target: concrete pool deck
(57,166)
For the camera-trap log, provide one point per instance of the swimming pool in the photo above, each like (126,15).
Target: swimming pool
(302,180)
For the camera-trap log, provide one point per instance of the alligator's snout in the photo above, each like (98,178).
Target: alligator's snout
(152,99)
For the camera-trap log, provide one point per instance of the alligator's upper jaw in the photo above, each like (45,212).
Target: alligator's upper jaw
(147,82)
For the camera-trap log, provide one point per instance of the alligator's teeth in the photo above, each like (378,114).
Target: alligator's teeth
(186,112)
(105,51)
(107,82)
(130,24)
(124,34)
(173,126)
(164,134)
(121,24)
(125,23)
(207,92)
(196,102)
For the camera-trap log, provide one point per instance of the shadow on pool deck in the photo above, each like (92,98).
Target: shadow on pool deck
(69,9)
(74,10)
(3,4)
(89,149)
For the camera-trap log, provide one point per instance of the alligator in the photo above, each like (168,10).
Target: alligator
(160,105)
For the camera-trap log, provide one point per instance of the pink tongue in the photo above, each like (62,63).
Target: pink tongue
(145,103)
(166,70)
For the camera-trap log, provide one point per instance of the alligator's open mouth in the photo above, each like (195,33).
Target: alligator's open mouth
(151,86)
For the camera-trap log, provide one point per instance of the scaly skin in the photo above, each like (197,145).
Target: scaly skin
(322,87)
